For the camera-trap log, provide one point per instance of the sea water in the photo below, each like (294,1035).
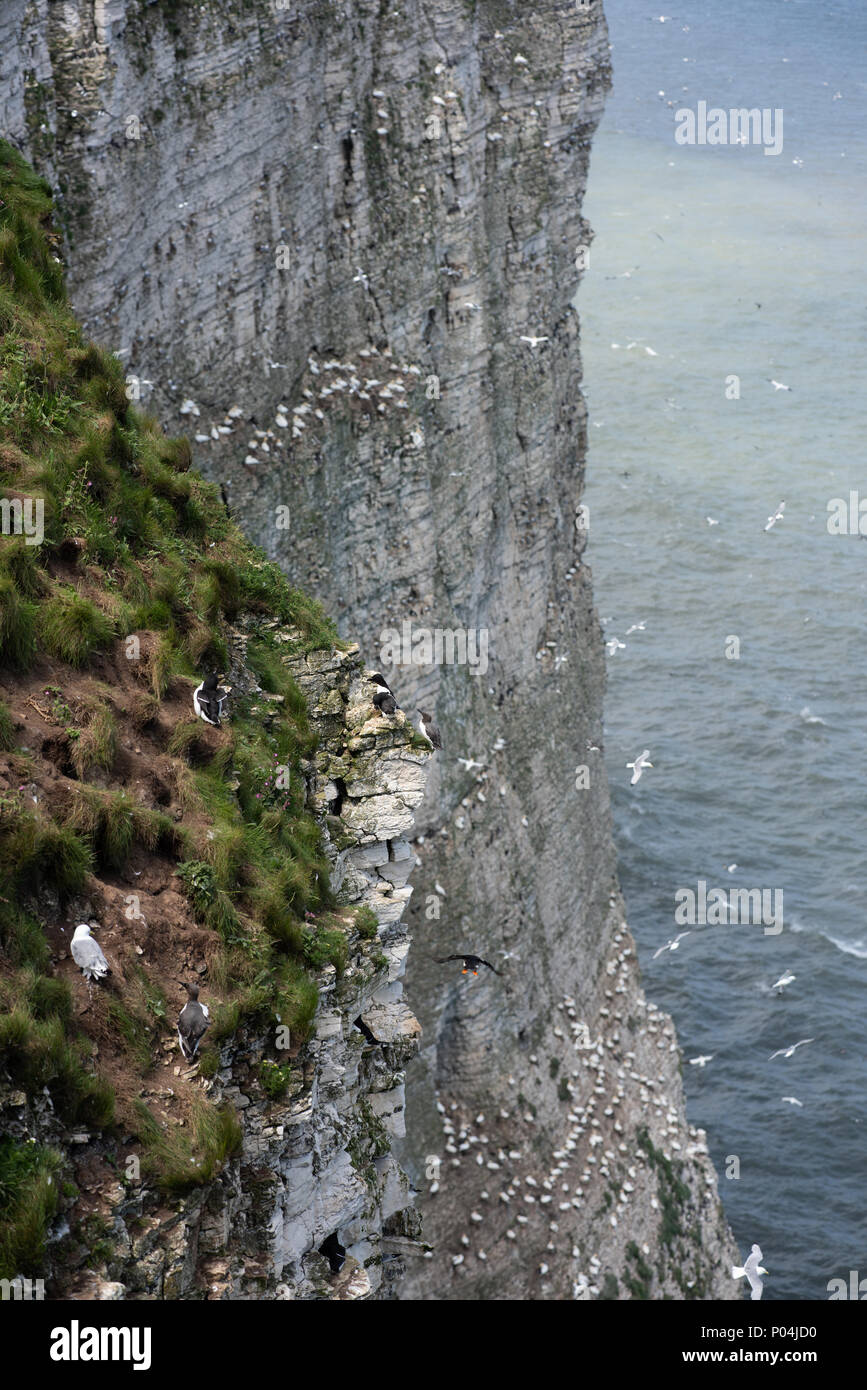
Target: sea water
(748,683)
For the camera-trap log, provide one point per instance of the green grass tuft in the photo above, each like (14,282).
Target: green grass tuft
(179,1159)
(29,1192)
(72,628)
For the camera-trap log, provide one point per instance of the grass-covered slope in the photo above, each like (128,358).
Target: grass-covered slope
(183,841)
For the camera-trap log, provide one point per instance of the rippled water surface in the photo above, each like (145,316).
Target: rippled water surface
(750,266)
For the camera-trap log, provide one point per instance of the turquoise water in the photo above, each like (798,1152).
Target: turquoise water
(747,265)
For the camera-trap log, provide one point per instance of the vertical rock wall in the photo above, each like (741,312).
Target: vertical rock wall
(321,237)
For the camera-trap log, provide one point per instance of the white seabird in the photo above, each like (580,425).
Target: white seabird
(614,644)
(785,979)
(777,516)
(702,1061)
(88,955)
(639,765)
(531,341)
(672,945)
(788,1051)
(752,1270)
(793,1100)
(778,385)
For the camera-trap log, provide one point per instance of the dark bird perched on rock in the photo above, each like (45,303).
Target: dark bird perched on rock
(208,700)
(429,730)
(193,1022)
(471,963)
(384,698)
(334,1252)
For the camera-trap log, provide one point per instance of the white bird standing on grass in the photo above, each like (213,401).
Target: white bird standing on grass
(751,1269)
(88,955)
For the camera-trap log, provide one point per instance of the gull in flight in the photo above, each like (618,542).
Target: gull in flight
(636,627)
(778,516)
(701,1061)
(788,1051)
(639,765)
(752,1270)
(793,1100)
(778,385)
(360,278)
(614,645)
(534,342)
(469,764)
(711,521)
(785,979)
(672,945)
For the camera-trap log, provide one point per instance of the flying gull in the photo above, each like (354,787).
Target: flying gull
(777,516)
(793,1100)
(778,385)
(639,765)
(469,764)
(788,1051)
(752,1270)
(785,979)
(533,342)
(673,945)
(87,954)
(702,1061)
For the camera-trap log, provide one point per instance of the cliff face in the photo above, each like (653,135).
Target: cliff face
(316,1163)
(319,235)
